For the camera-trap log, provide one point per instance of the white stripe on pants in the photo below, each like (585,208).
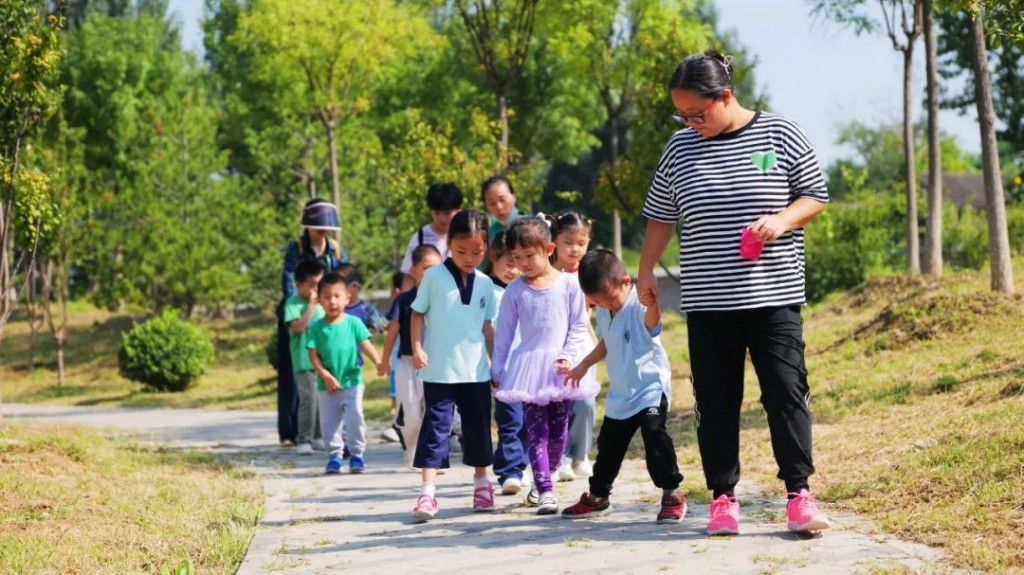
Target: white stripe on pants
(345,406)
(409,391)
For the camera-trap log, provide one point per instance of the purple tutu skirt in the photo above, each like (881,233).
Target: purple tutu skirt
(531,377)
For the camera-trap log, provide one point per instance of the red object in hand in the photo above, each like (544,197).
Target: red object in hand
(750,245)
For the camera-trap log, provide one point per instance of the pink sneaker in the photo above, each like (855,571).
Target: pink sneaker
(804,514)
(426,507)
(483,499)
(725,516)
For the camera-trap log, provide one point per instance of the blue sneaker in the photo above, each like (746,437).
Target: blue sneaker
(334,465)
(355,464)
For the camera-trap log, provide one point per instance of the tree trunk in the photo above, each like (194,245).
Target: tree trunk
(995,202)
(613,152)
(502,147)
(332,150)
(933,228)
(34,321)
(913,247)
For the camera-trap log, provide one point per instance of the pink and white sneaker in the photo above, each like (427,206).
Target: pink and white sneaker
(426,507)
(483,499)
(804,514)
(725,516)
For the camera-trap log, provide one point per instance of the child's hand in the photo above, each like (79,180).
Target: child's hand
(494,385)
(574,376)
(419,359)
(312,298)
(331,383)
(384,367)
(563,366)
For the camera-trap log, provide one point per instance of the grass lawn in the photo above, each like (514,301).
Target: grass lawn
(917,394)
(918,403)
(240,377)
(75,501)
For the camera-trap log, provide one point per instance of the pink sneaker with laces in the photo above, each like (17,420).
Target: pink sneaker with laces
(483,499)
(804,514)
(426,507)
(725,516)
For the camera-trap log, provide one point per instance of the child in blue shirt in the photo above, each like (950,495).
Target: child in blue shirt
(639,389)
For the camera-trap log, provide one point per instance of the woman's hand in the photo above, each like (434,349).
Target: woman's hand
(769,228)
(647,287)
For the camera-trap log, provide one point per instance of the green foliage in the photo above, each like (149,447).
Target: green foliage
(165,353)
(29,53)
(879,150)
(853,239)
(271,350)
(964,237)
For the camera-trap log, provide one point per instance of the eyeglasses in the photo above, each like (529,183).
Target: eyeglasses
(698,119)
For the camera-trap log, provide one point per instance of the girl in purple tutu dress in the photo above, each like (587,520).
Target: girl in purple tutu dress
(550,312)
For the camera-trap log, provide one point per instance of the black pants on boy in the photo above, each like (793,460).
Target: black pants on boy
(719,341)
(613,442)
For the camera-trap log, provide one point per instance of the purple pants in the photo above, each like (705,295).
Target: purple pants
(547,429)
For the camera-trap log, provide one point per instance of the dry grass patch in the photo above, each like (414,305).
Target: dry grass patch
(918,399)
(73,501)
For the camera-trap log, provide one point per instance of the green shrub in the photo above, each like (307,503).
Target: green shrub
(964,237)
(165,353)
(853,239)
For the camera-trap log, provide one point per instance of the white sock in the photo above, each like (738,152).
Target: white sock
(481,481)
(428,489)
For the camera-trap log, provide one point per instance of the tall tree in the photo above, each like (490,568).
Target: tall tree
(902,20)
(338,50)
(501,37)
(995,206)
(932,264)
(29,53)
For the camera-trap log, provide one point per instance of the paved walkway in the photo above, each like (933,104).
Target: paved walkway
(360,523)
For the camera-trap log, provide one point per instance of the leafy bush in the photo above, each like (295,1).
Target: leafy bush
(964,237)
(852,239)
(165,353)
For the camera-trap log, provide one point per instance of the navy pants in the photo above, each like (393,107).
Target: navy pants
(473,401)
(510,453)
(287,392)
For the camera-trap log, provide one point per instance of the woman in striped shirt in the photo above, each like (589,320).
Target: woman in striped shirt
(738,177)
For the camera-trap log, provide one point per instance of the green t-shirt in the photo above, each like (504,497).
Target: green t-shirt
(337,344)
(295,308)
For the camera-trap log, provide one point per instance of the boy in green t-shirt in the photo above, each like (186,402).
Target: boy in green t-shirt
(300,311)
(334,343)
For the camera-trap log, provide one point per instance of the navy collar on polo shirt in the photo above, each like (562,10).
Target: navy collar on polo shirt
(465,291)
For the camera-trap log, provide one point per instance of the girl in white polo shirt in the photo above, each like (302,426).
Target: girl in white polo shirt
(456,303)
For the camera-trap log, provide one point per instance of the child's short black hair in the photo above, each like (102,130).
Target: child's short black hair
(600,269)
(308,269)
(495,179)
(446,196)
(528,232)
(397,280)
(350,273)
(422,251)
(468,223)
(331,279)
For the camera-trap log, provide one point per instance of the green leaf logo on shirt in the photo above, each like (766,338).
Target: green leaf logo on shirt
(764,161)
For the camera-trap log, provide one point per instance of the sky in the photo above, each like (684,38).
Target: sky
(815,72)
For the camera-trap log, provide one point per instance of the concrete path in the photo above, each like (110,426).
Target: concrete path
(315,523)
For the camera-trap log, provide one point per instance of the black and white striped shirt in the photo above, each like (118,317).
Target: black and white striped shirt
(720,185)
